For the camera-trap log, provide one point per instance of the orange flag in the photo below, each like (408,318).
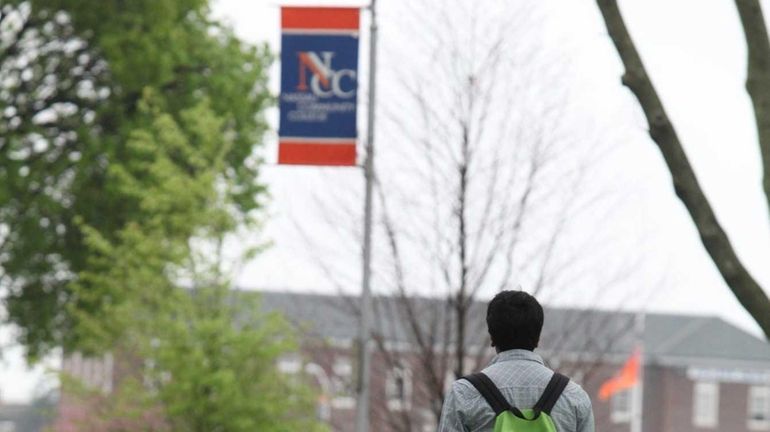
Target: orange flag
(625,379)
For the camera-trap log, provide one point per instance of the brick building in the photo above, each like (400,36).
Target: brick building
(701,373)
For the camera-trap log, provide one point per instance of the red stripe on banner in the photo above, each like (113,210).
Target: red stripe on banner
(303,153)
(325,18)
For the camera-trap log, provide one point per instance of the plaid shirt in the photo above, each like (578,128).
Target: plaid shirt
(521,377)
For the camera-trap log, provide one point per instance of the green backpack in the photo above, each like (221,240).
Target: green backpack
(511,419)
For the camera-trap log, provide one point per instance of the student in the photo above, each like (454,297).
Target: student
(514,321)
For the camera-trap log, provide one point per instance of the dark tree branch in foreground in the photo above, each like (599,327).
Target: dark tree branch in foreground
(689,191)
(758,76)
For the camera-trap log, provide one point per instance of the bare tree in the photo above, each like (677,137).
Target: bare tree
(484,180)
(746,289)
(486,177)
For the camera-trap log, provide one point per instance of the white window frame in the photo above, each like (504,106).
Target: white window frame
(578,376)
(398,403)
(95,373)
(705,404)
(758,395)
(449,380)
(290,364)
(323,411)
(617,415)
(428,421)
(342,384)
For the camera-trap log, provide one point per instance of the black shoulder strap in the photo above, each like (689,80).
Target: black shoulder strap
(552,392)
(489,391)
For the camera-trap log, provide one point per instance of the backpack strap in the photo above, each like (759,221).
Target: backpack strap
(491,394)
(552,392)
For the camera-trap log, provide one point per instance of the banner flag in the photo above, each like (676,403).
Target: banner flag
(319,86)
(626,378)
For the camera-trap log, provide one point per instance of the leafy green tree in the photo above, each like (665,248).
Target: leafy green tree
(194,358)
(209,366)
(204,360)
(215,374)
(97,103)
(170,177)
(128,137)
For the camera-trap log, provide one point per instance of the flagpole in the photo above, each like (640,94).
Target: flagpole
(638,393)
(364,351)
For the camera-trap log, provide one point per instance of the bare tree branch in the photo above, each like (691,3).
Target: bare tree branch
(746,289)
(758,76)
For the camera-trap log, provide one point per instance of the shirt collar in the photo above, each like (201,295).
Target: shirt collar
(517,354)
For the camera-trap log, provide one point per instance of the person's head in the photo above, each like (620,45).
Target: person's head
(514,320)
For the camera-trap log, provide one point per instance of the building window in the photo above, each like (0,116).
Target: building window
(620,407)
(578,376)
(290,364)
(343,389)
(759,408)
(323,410)
(705,405)
(428,421)
(398,389)
(93,372)
(449,379)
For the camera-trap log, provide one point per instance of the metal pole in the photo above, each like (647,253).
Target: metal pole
(364,361)
(638,393)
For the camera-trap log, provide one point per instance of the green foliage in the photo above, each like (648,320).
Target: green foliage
(130,407)
(128,136)
(212,356)
(128,126)
(209,365)
(217,374)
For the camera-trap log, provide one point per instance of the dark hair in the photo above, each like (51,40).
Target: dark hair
(514,320)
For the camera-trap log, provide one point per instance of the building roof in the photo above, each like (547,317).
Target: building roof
(687,339)
(26,417)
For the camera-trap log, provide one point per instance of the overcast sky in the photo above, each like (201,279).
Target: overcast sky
(694,52)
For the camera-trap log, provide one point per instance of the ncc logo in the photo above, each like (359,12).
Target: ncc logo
(317,74)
